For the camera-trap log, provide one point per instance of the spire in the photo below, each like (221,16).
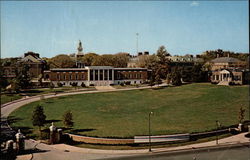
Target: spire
(80,47)
(79,50)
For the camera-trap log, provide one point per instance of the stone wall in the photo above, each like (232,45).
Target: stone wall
(94,140)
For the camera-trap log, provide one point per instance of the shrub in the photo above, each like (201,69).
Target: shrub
(74,84)
(128,83)
(59,84)
(68,119)
(83,85)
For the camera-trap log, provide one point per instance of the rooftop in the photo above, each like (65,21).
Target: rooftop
(225,60)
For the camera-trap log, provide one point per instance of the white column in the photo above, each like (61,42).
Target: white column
(98,74)
(112,75)
(98,77)
(108,74)
(93,74)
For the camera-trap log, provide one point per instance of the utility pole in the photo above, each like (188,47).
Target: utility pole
(149,130)
(137,34)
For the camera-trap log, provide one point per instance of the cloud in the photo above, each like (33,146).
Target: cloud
(194,4)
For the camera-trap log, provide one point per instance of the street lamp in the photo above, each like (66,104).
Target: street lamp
(149,130)
(217,125)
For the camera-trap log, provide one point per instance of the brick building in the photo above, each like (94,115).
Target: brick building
(96,75)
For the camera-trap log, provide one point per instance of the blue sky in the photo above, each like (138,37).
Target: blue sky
(108,27)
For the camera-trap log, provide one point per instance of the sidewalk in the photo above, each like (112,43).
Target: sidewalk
(237,139)
(62,148)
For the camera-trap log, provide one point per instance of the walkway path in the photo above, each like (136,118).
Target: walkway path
(63,151)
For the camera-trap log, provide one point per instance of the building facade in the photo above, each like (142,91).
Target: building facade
(95,75)
(228,70)
(32,60)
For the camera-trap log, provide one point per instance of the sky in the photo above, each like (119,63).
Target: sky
(108,27)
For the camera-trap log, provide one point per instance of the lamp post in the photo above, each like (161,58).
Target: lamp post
(149,130)
(217,125)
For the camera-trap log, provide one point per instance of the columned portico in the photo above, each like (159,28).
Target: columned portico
(225,75)
(102,75)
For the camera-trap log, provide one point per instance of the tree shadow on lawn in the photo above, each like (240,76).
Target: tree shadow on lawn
(83,130)
(32,151)
(24,130)
(51,120)
(49,102)
(31,91)
(13,119)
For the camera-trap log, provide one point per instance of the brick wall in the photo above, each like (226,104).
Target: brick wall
(136,74)
(67,76)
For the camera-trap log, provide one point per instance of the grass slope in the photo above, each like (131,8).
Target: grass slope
(188,108)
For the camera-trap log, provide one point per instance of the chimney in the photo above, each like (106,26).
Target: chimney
(217,55)
(228,55)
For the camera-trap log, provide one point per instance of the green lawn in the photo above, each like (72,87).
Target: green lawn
(188,108)
(9,97)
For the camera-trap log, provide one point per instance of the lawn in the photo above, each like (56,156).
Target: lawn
(184,109)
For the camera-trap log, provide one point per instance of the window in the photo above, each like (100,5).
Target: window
(91,75)
(70,77)
(76,76)
(110,74)
(82,76)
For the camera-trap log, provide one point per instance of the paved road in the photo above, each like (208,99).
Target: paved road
(239,153)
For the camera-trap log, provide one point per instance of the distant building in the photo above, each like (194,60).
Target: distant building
(228,70)
(134,61)
(183,59)
(226,62)
(96,75)
(35,63)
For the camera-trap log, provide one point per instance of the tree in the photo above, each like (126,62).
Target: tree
(104,60)
(162,66)
(68,119)
(3,80)
(38,117)
(241,115)
(61,61)
(89,58)
(120,60)
(161,54)
(22,77)
(15,87)
(197,75)
(176,78)
(158,79)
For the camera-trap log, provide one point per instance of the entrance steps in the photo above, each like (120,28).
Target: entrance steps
(223,83)
(104,88)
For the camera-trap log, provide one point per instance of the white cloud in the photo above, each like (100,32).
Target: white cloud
(194,4)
